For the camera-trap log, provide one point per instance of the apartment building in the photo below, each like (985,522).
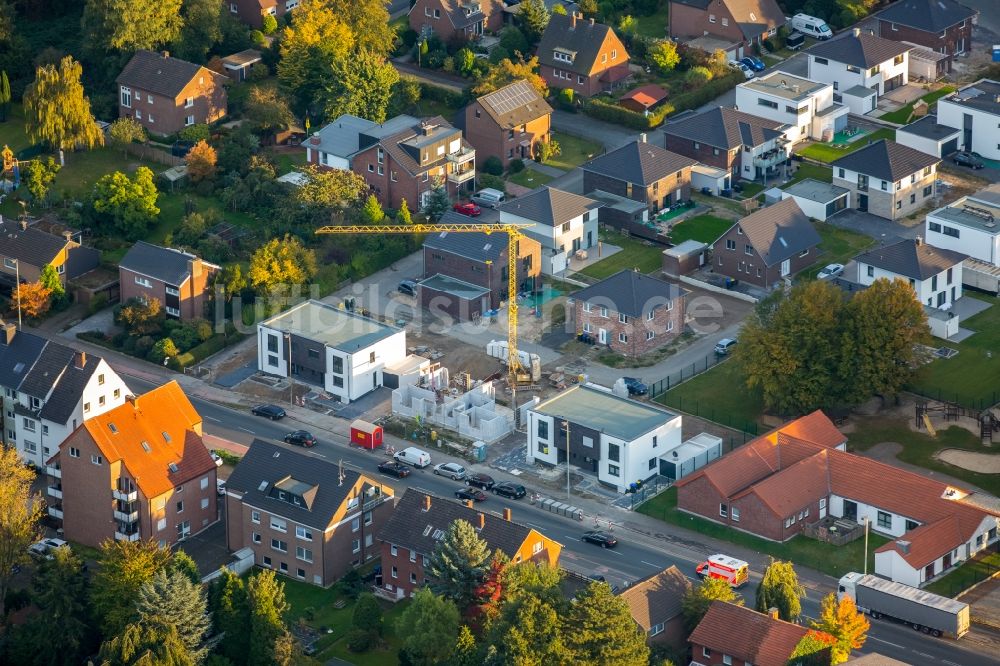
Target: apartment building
(807,107)
(887,178)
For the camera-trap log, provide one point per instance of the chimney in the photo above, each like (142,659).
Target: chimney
(130,399)
(79,360)
(919,241)
(642,138)
(467,503)
(427,502)
(195,268)
(23,225)
(857,32)
(67,234)
(572,21)
(772,613)
(904,547)
(7,332)
(482,518)
(506,515)
(591,20)
(165,54)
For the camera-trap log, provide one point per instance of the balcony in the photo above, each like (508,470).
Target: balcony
(459,177)
(56,512)
(461,156)
(129,496)
(129,517)
(769,159)
(54,471)
(121,536)
(55,491)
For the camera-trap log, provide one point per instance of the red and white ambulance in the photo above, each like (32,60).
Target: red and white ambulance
(736,572)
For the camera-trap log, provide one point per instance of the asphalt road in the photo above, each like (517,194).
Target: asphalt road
(635,557)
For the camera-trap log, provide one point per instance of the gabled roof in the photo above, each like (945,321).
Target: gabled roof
(752,16)
(926,543)
(749,636)
(18,356)
(69,389)
(162,75)
(515,104)
(418,528)
(928,15)
(478,246)
(47,369)
(163,421)
(725,128)
(549,206)
(160,263)
(778,232)
(656,599)
(455,10)
(322,485)
(886,160)
(32,246)
(862,50)
(578,37)
(411,134)
(630,293)
(640,163)
(910,260)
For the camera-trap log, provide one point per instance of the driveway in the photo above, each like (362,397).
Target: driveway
(877,227)
(578,124)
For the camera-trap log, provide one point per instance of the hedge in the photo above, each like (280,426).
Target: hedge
(613,113)
(443,95)
(199,353)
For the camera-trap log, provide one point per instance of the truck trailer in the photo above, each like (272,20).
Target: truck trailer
(922,610)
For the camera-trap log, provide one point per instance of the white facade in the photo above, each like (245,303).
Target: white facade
(890,564)
(328,159)
(980,124)
(938,291)
(955,227)
(807,107)
(766,158)
(938,147)
(843,76)
(559,241)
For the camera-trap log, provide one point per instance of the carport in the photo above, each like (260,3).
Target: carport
(927,136)
(817,199)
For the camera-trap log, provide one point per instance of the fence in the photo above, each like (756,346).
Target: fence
(684,374)
(152,154)
(971,572)
(967,402)
(650,489)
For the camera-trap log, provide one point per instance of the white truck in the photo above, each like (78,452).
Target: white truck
(922,610)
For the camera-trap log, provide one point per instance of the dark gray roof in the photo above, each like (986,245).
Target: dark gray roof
(478,246)
(698,4)
(411,527)
(863,50)
(886,160)
(167,76)
(725,128)
(160,263)
(630,293)
(582,38)
(266,464)
(32,246)
(927,15)
(779,232)
(911,260)
(68,391)
(928,127)
(515,104)
(47,370)
(982,95)
(549,206)
(17,358)
(640,163)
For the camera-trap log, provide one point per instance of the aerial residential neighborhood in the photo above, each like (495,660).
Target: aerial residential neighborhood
(499,332)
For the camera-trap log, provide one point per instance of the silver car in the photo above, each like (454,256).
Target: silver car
(451,470)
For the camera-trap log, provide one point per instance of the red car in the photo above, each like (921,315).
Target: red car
(470,209)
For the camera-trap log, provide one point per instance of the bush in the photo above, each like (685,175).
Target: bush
(613,113)
(565,99)
(408,38)
(229,458)
(448,64)
(351,584)
(98,303)
(259,71)
(194,133)
(493,182)
(443,95)
(516,165)
(697,76)
(492,166)
(143,345)
(360,640)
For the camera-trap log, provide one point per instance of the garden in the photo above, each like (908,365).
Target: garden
(635,254)
(830,152)
(904,114)
(702,228)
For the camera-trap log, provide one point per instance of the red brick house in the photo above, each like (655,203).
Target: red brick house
(453,21)
(631,313)
(655,605)
(179,280)
(768,245)
(303,516)
(737,636)
(139,471)
(402,158)
(508,123)
(740,23)
(420,520)
(167,94)
(252,12)
(581,55)
(944,26)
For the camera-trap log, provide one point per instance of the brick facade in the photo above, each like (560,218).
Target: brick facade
(750,268)
(491,140)
(252,12)
(192,296)
(658,195)
(493,275)
(163,115)
(688,21)
(432,17)
(704,153)
(609,68)
(956,36)
(665,326)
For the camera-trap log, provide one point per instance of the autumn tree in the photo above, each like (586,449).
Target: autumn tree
(32,299)
(141,316)
(780,588)
(38,175)
(429,627)
(126,131)
(329,188)
(201,161)
(663,54)
(458,563)
(507,71)
(201,29)
(232,280)
(403,216)
(599,629)
(126,26)
(268,110)
(280,261)
(368,21)
(20,511)
(56,112)
(361,86)
(317,37)
(270,643)
(697,599)
(546,150)
(815,649)
(842,620)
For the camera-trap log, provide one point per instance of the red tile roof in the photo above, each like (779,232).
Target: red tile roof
(816,428)
(647,95)
(151,432)
(928,542)
(747,635)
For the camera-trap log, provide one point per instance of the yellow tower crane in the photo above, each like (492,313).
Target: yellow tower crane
(514,233)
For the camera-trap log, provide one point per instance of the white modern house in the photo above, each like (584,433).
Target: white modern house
(970,225)
(860,66)
(562,222)
(49,390)
(617,439)
(807,107)
(341,352)
(975,110)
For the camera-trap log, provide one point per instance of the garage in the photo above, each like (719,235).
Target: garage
(817,199)
(928,136)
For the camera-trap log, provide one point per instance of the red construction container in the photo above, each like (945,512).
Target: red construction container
(366,435)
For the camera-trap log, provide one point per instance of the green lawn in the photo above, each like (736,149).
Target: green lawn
(654,25)
(634,254)
(902,115)
(287,162)
(751,189)
(971,377)
(704,228)
(84,168)
(815,171)
(575,151)
(831,560)
(434,107)
(529,178)
(719,395)
(966,575)
(828,152)
(836,246)
(12,132)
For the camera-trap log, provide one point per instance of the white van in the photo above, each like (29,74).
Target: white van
(414,456)
(811,26)
(489,197)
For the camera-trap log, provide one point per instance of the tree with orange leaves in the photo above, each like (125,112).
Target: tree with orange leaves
(488,594)
(35,299)
(201,161)
(842,620)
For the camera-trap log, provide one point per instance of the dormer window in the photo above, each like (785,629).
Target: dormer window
(753,17)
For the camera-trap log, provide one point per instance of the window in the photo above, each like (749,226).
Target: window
(371,168)
(656,629)
(649,335)
(29,425)
(949,275)
(184,529)
(614,452)
(884,520)
(723,511)
(394,573)
(730,244)
(622,337)
(180,507)
(204,502)
(711,18)
(604,57)
(543,429)
(413,556)
(766,102)
(267,561)
(899,205)
(189,102)
(748,249)
(885,186)
(303,533)
(652,463)
(126,97)
(279,545)
(725,21)
(587,307)
(898,60)
(74,452)
(840,173)
(705,652)
(303,554)
(934,226)
(143,282)
(356,546)
(913,198)
(189,120)
(613,470)
(96,460)
(623,318)
(871,271)
(604,312)
(138,114)
(735,514)
(355,524)
(278,524)
(670,325)
(101,401)
(255,516)
(950,231)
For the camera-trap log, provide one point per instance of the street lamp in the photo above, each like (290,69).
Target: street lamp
(867,523)
(565,424)
(291,385)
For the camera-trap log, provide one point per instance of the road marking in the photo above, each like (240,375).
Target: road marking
(950,663)
(651,564)
(901,647)
(212,418)
(247,430)
(924,655)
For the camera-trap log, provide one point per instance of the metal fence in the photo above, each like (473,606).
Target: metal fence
(710,413)
(968,402)
(970,573)
(684,374)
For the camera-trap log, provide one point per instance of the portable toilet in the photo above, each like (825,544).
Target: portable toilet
(479,452)
(366,435)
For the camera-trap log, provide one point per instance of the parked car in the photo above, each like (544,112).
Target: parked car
(44,548)
(393,468)
(470,209)
(220,487)
(483,481)
(794,40)
(272,412)
(812,26)
(473,494)
(216,457)
(971,160)
(830,271)
(602,539)
(451,470)
(747,71)
(724,346)
(489,197)
(408,287)
(509,490)
(634,386)
(411,455)
(754,63)
(301,438)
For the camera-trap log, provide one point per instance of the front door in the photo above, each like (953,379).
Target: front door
(967,131)
(863,202)
(602,336)
(850,510)
(590,239)
(786,267)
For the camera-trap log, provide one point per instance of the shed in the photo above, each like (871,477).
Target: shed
(817,199)
(690,456)
(773,195)
(175,174)
(714,178)
(926,64)
(644,98)
(684,258)
(927,136)
(859,99)
(238,65)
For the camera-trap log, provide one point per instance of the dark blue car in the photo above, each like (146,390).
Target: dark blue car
(754,63)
